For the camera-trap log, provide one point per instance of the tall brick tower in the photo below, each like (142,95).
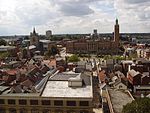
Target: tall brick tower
(116,32)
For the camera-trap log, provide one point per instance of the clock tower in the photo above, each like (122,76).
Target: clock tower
(116,33)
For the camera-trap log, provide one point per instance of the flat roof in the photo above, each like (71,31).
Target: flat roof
(64,76)
(119,98)
(2,88)
(127,61)
(45,41)
(20,95)
(61,89)
(5,48)
(31,47)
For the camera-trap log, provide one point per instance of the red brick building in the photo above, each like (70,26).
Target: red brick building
(134,77)
(98,46)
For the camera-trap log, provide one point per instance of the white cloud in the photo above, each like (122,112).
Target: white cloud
(134,15)
(73,16)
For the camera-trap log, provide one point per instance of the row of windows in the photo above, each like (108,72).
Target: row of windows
(45,102)
(22,110)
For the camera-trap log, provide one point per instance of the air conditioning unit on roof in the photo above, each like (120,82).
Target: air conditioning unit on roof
(75,82)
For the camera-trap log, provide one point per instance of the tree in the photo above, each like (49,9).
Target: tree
(52,52)
(107,57)
(141,105)
(73,58)
(121,48)
(133,55)
(3,42)
(4,55)
(56,38)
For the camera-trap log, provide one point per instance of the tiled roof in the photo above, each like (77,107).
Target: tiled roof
(50,63)
(133,73)
(64,76)
(27,83)
(121,80)
(102,76)
(11,72)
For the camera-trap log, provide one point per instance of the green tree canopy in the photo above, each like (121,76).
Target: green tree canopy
(73,58)
(3,42)
(3,55)
(52,52)
(117,57)
(141,105)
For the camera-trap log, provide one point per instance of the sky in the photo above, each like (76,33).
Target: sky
(73,16)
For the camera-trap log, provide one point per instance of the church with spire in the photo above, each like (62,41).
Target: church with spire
(34,39)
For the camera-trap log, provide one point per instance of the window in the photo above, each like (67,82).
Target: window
(46,111)
(58,103)
(12,110)
(22,110)
(84,111)
(58,111)
(2,101)
(46,102)
(11,101)
(71,103)
(22,102)
(2,110)
(71,111)
(35,111)
(84,103)
(120,86)
(33,102)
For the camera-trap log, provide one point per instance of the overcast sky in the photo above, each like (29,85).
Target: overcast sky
(73,16)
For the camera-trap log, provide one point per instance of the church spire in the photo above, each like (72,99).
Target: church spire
(34,32)
(116,21)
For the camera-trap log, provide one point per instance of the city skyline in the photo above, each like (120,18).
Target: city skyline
(73,16)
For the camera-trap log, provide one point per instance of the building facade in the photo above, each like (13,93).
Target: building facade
(48,33)
(36,104)
(60,93)
(97,46)
(34,38)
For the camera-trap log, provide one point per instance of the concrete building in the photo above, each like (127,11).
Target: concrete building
(48,33)
(120,84)
(143,53)
(116,99)
(10,49)
(41,45)
(96,46)
(47,44)
(55,93)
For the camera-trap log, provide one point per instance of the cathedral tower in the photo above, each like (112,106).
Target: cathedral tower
(34,38)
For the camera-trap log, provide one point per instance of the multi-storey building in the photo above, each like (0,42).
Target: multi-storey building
(98,46)
(48,33)
(41,45)
(56,93)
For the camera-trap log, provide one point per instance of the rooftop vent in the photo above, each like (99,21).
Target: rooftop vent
(75,82)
